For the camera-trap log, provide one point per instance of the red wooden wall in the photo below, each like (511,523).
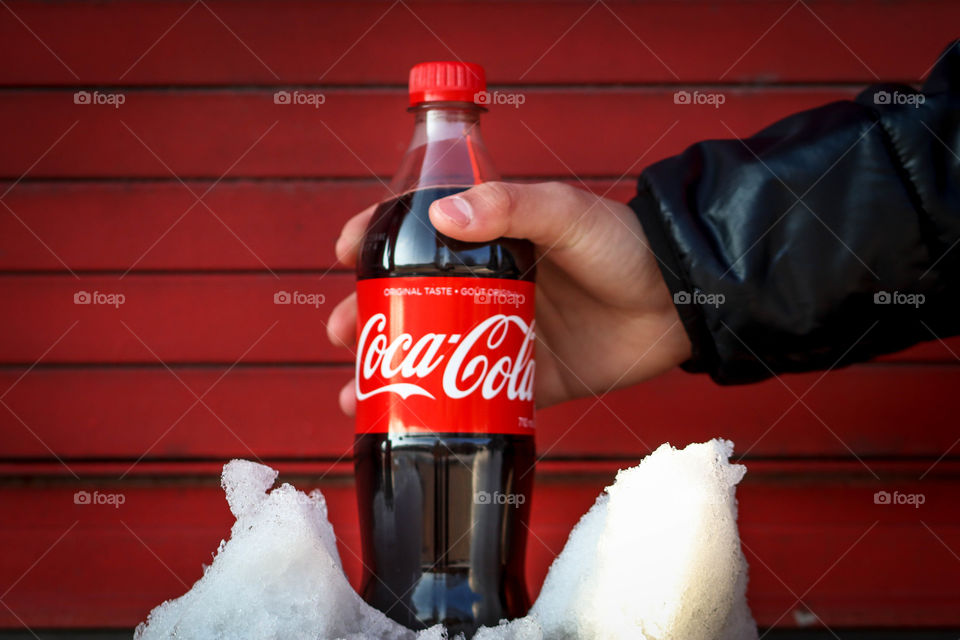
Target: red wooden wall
(198,198)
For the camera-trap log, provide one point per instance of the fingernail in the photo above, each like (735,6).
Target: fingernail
(456,209)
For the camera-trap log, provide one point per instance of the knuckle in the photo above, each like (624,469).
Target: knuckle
(497,197)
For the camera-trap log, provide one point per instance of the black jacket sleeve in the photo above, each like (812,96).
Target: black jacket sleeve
(827,238)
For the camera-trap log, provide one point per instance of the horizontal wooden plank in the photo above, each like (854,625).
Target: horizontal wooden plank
(156,226)
(586,132)
(222,42)
(807,526)
(193,318)
(290,412)
(196,317)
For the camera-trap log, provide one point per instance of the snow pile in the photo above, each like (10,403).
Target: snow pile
(279,576)
(657,558)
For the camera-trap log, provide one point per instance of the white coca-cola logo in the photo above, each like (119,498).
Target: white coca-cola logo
(473,365)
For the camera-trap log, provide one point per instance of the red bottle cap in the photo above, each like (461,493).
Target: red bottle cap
(447,82)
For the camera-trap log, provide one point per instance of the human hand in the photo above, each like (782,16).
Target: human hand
(605,317)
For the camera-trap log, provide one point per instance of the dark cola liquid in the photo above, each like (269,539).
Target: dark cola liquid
(431,552)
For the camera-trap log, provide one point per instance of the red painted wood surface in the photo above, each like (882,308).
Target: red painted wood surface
(92,200)
(115,563)
(156,320)
(212,133)
(284,412)
(156,225)
(222,42)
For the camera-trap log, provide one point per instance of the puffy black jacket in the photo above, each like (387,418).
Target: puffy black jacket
(827,238)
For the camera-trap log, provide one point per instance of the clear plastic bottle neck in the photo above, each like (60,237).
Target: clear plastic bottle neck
(446,149)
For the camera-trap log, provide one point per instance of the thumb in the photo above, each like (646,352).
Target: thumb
(548,213)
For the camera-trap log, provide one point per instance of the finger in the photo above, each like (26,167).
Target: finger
(348,399)
(548,214)
(348,244)
(342,325)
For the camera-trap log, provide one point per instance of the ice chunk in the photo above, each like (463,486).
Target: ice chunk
(246,484)
(436,632)
(657,557)
(279,575)
(527,628)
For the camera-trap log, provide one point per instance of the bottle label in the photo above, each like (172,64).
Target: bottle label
(442,354)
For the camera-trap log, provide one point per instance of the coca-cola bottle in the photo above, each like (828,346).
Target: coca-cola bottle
(444,447)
